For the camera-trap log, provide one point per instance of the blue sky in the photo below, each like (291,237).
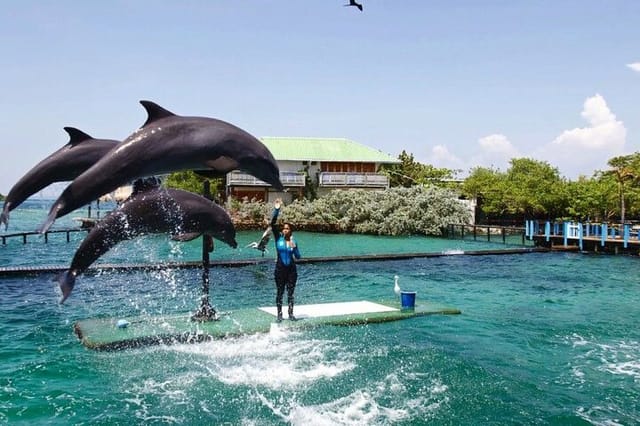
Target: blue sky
(456,83)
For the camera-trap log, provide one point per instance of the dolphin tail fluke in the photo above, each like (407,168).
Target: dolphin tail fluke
(66,280)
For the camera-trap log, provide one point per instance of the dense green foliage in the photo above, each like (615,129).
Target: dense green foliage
(425,210)
(531,188)
(192,182)
(1,197)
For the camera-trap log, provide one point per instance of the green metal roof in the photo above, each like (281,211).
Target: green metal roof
(324,149)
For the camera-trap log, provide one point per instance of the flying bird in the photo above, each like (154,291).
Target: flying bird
(353,3)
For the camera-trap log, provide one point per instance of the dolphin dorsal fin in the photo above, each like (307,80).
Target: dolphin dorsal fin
(155,112)
(76,136)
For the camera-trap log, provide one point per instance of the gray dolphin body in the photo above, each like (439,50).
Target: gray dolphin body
(81,152)
(182,214)
(167,143)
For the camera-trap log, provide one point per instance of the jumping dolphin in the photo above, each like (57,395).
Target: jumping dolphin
(182,214)
(167,143)
(81,152)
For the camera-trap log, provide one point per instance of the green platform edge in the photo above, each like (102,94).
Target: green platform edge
(103,334)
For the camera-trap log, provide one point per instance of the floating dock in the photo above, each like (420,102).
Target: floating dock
(134,332)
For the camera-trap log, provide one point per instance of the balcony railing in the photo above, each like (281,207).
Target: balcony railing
(327,179)
(236,178)
(354,179)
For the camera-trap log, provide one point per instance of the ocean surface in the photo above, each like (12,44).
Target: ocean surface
(543,338)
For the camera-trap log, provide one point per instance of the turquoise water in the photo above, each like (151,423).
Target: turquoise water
(543,338)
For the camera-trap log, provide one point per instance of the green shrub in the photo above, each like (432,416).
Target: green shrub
(425,210)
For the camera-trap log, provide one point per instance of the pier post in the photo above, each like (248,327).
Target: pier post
(626,233)
(547,230)
(580,235)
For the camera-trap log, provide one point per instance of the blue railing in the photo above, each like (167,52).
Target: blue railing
(579,231)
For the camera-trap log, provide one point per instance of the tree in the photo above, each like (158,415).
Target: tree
(534,188)
(593,199)
(625,169)
(410,172)
(529,188)
(487,186)
(192,182)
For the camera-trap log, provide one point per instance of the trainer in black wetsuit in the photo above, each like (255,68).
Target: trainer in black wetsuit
(286,274)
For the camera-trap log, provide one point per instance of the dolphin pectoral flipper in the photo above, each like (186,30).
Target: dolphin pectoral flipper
(4,216)
(188,236)
(50,219)
(66,280)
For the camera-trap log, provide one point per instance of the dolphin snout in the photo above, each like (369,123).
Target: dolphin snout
(278,185)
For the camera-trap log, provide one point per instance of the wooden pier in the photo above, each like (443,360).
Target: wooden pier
(488,233)
(587,237)
(46,269)
(24,236)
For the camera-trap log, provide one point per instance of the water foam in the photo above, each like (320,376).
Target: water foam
(280,359)
(383,402)
(618,357)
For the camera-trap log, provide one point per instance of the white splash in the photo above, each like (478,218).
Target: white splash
(365,406)
(618,357)
(280,359)
(453,251)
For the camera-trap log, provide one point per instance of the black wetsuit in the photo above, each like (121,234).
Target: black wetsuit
(286,274)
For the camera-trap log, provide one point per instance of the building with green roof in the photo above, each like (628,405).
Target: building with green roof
(317,165)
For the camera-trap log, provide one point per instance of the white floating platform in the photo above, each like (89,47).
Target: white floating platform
(121,333)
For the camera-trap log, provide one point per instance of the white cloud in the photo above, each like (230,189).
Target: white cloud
(495,151)
(603,131)
(441,157)
(583,150)
(499,145)
(578,151)
(634,66)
